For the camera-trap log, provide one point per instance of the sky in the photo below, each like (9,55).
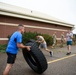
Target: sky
(62,9)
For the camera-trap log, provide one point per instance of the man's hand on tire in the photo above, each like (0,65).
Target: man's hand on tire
(28,48)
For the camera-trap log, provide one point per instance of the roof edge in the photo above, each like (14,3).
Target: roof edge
(28,14)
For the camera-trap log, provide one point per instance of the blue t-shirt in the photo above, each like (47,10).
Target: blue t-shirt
(12,45)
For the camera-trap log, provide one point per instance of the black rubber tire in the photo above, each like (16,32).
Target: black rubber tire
(35,58)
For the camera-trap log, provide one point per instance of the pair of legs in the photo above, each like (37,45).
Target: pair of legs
(45,47)
(69,48)
(7,69)
(10,61)
(69,43)
(54,43)
(62,43)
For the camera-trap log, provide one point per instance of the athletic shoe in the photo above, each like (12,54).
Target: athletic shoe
(51,53)
(68,53)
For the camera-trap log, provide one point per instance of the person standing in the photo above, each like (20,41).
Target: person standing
(62,39)
(14,44)
(43,44)
(69,37)
(54,40)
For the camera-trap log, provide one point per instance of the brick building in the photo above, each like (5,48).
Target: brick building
(11,16)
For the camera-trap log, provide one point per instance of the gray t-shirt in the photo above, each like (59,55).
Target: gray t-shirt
(68,36)
(41,39)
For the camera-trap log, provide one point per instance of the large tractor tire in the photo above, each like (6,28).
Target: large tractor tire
(35,58)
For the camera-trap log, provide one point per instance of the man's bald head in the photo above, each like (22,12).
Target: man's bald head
(21,28)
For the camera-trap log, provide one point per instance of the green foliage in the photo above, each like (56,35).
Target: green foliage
(3,48)
(32,35)
(48,39)
(28,35)
(74,39)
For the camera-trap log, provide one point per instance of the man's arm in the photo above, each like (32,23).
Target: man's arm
(71,36)
(40,41)
(20,45)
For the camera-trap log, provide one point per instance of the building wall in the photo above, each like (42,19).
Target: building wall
(9,24)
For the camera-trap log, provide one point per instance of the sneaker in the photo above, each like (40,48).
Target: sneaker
(51,53)
(68,53)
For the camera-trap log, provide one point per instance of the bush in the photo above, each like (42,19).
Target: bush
(32,35)
(3,48)
(48,39)
(27,36)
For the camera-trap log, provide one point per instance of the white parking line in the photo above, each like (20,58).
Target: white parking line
(61,58)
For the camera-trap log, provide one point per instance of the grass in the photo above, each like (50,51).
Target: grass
(3,48)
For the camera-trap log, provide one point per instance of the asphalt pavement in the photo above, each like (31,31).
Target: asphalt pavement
(59,64)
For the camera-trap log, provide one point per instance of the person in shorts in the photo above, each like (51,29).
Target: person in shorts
(43,44)
(14,44)
(69,37)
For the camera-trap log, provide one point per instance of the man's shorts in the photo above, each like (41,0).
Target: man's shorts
(11,58)
(69,42)
(43,46)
